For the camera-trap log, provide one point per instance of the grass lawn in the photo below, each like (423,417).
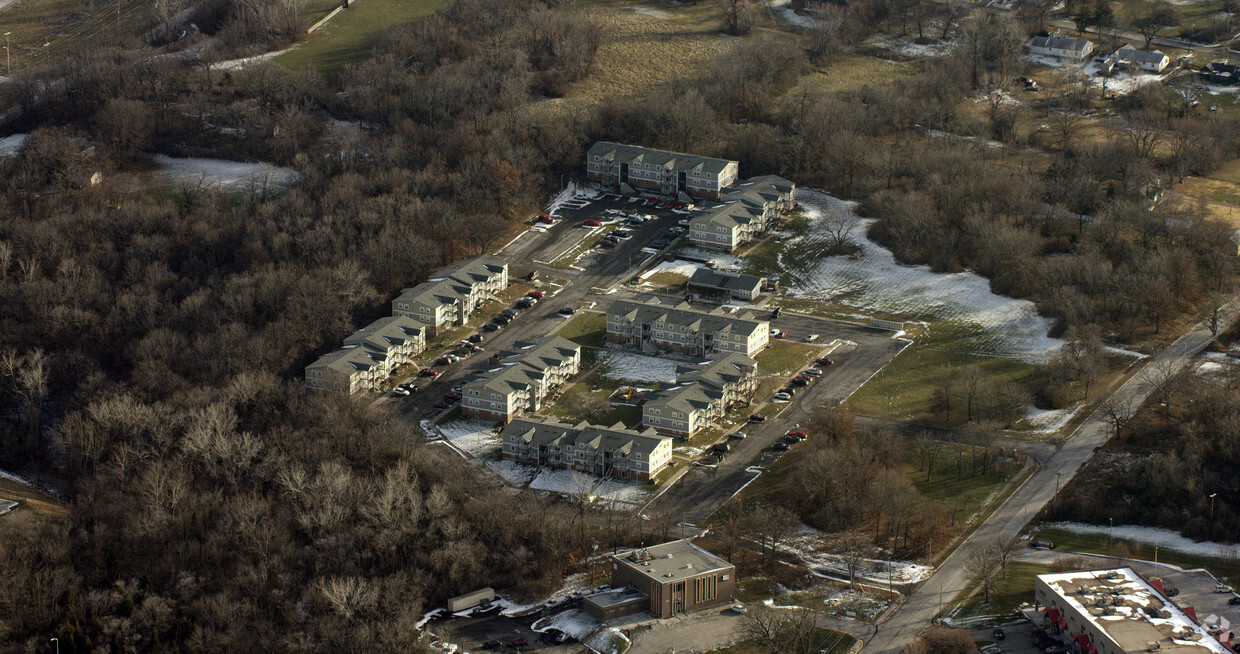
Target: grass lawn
(828,641)
(44,31)
(1066,541)
(350,36)
(667,282)
(30,500)
(587,328)
(785,357)
(586,399)
(1007,594)
(902,390)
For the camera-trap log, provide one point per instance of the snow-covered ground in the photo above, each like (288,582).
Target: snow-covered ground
(630,367)
(574,195)
(1164,538)
(1045,421)
(574,622)
(517,474)
(238,64)
(10,146)
(608,641)
(873,280)
(784,9)
(474,437)
(686,268)
(224,175)
(651,11)
(808,545)
(6,506)
(572,482)
(1120,82)
(907,48)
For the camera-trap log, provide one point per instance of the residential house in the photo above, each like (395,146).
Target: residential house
(701,395)
(368,357)
(742,214)
(659,171)
(1221,72)
(666,580)
(604,451)
(1153,61)
(655,326)
(721,284)
(452,293)
(520,379)
(1059,47)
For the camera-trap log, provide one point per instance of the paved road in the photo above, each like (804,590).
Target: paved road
(1010,519)
(710,630)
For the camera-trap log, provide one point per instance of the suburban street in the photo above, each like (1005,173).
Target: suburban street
(935,593)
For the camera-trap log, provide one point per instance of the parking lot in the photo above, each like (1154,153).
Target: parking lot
(502,633)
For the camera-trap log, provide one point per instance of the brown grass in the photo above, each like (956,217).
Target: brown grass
(31,500)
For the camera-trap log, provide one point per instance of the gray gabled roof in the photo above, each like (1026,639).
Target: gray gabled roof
(387,332)
(525,365)
(1129,53)
(678,161)
(699,388)
(726,281)
(348,359)
(548,432)
(451,283)
(1061,43)
(683,314)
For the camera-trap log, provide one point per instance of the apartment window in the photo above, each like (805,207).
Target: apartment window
(494,396)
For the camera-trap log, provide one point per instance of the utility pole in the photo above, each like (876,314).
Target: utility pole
(1212,496)
(8,60)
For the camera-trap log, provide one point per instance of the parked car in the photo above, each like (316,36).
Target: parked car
(775,312)
(400,392)
(525,303)
(606,244)
(739,608)
(544,218)
(518,642)
(721,448)
(991,649)
(998,634)
(568,311)
(501,319)
(789,440)
(490,327)
(811,338)
(621,234)
(590,222)
(812,372)
(1222,588)
(428,372)
(538,295)
(800,381)
(475,338)
(1042,545)
(452,396)
(443,361)
(783,395)
(824,361)
(798,434)
(492,644)
(737,435)
(533,274)
(755,418)
(511,313)
(1170,591)
(659,245)
(1234,600)
(780,447)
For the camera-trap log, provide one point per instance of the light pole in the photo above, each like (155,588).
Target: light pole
(1111,533)
(1212,496)
(8,60)
(57,641)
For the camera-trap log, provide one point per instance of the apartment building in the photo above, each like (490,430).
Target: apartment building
(604,451)
(743,213)
(651,325)
(666,580)
(520,379)
(701,395)
(453,292)
(659,171)
(368,357)
(720,284)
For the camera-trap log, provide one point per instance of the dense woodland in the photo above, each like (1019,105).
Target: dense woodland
(151,338)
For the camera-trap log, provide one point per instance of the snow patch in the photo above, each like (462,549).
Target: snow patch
(626,366)
(575,622)
(572,482)
(11,146)
(517,474)
(475,437)
(7,505)
(569,194)
(874,281)
(651,11)
(1163,538)
(238,64)
(1046,421)
(808,545)
(686,268)
(908,48)
(224,175)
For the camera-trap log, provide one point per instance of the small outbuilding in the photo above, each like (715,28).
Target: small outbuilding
(470,600)
(712,283)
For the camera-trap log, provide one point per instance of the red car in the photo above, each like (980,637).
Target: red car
(519,642)
(590,222)
(537,295)
(451,396)
(650,202)
(807,378)
(824,362)
(798,434)
(443,361)
(544,218)
(427,372)
(441,405)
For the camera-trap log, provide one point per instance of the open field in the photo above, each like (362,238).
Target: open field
(43,31)
(30,500)
(1067,541)
(1006,595)
(828,641)
(350,36)
(588,328)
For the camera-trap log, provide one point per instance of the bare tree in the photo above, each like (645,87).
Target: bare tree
(27,374)
(1118,411)
(737,16)
(982,569)
(854,549)
(839,224)
(1154,18)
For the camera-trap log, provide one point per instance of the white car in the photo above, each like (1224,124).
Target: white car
(774,333)
(684,222)
(782,396)
(739,608)
(813,372)
(811,338)
(400,392)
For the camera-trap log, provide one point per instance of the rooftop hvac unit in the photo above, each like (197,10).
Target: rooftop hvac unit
(1154,646)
